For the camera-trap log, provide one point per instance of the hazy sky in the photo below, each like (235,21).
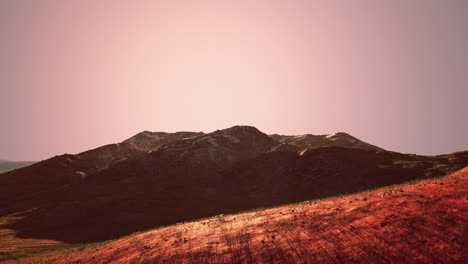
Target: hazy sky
(75,75)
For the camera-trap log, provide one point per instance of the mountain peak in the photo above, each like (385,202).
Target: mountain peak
(221,147)
(239,129)
(149,141)
(340,135)
(145,135)
(243,133)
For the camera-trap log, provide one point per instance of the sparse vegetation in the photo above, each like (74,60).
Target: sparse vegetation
(177,184)
(384,232)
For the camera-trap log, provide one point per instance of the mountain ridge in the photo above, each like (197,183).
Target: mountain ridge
(119,189)
(147,141)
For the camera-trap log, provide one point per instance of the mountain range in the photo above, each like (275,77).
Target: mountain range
(7,165)
(154,179)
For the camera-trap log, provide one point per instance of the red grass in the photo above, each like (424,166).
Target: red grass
(426,222)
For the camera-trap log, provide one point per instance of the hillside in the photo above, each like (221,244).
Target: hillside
(339,139)
(157,179)
(7,165)
(424,222)
(32,182)
(70,168)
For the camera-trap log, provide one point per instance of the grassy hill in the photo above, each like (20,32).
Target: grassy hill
(421,222)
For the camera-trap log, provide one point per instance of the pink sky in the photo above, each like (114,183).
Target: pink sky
(75,75)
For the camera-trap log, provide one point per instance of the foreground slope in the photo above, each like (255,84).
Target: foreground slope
(424,222)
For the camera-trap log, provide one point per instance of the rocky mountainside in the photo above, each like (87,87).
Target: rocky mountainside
(149,141)
(339,139)
(70,168)
(193,175)
(202,156)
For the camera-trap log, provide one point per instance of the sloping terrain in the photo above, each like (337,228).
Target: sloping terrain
(186,176)
(131,198)
(425,222)
(150,141)
(60,171)
(221,148)
(339,139)
(285,177)
(7,165)
(69,168)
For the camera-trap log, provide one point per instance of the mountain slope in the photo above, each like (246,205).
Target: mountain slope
(285,177)
(7,165)
(38,184)
(150,141)
(413,223)
(339,139)
(91,197)
(131,196)
(200,156)
(225,147)
(60,169)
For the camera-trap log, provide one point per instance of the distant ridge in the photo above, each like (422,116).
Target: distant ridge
(7,165)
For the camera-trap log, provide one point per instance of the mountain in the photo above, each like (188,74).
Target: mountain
(339,139)
(423,222)
(285,177)
(91,197)
(7,165)
(154,179)
(149,141)
(70,168)
(201,156)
